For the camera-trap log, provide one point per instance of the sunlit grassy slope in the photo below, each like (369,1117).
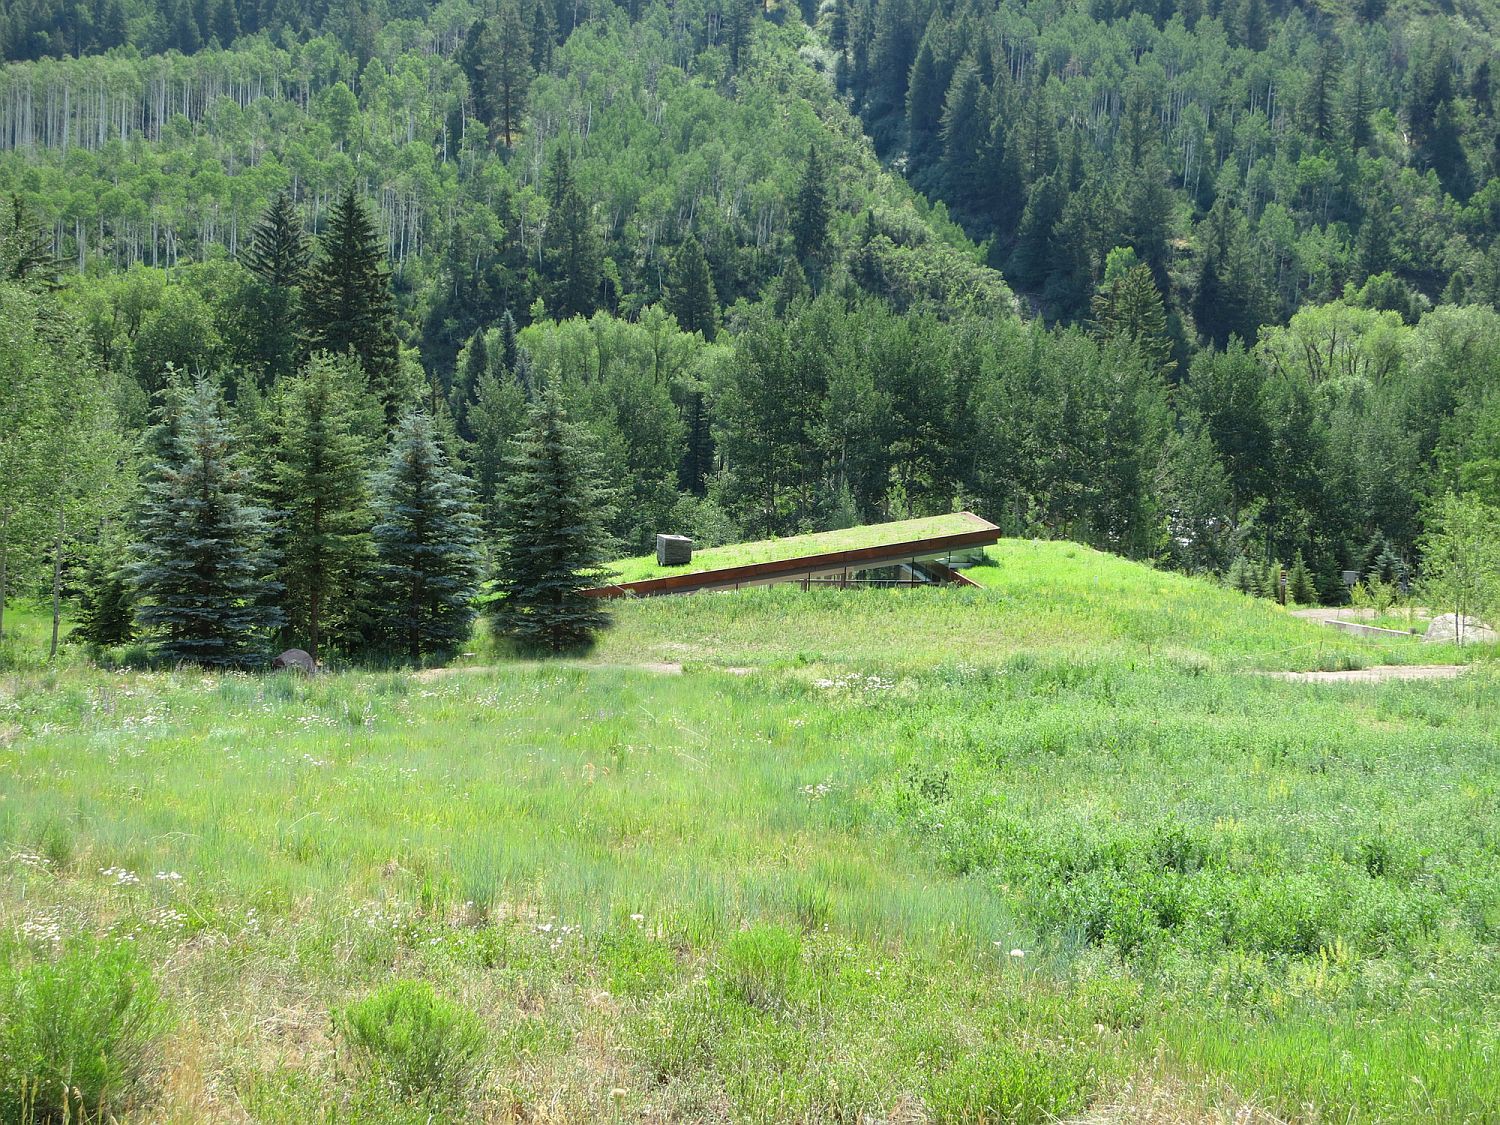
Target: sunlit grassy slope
(793,546)
(793,892)
(1048,600)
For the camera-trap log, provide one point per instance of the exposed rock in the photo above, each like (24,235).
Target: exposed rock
(1445,628)
(296,660)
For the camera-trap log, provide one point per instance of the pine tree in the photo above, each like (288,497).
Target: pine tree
(810,210)
(510,348)
(741,27)
(226,23)
(1320,115)
(789,288)
(1256,32)
(691,298)
(202,573)
(347,302)
(1241,575)
(1130,308)
(278,257)
(497,417)
(1372,251)
(924,105)
(570,246)
(106,603)
(466,387)
(25,248)
(553,541)
(542,19)
(322,448)
(427,566)
(1356,108)
(509,71)
(964,129)
(1300,588)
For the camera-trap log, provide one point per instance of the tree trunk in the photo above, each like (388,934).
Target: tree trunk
(57,580)
(313,630)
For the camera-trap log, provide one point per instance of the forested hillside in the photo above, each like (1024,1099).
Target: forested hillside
(1258,155)
(1208,287)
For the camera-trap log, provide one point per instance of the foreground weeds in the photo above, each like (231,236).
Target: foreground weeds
(1102,883)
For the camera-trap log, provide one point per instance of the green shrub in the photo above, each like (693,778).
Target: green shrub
(681,1033)
(636,965)
(86,1021)
(1010,1083)
(408,1035)
(762,965)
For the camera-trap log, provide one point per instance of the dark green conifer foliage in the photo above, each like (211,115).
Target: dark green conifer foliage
(1130,308)
(924,106)
(106,603)
(25,249)
(427,568)
(789,288)
(202,573)
(1320,113)
(692,299)
(542,20)
(964,130)
(497,57)
(278,258)
(570,246)
(323,447)
(510,348)
(1241,576)
(553,540)
(347,302)
(466,386)
(1256,27)
(1300,588)
(1356,107)
(740,20)
(810,210)
(512,71)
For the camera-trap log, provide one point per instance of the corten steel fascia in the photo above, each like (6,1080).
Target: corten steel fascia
(984,534)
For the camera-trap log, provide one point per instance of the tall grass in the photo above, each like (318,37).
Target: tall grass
(974,854)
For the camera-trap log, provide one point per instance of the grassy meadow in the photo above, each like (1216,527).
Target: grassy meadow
(1052,849)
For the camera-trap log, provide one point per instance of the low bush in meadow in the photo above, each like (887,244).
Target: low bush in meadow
(78,1032)
(761,966)
(420,1043)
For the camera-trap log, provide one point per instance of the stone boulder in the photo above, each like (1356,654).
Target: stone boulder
(1445,629)
(296,660)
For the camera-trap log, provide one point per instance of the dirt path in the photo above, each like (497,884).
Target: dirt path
(1376,675)
(426,675)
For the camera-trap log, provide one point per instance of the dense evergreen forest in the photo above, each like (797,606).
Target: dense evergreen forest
(1211,284)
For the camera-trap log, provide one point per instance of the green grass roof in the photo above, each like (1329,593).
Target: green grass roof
(795,546)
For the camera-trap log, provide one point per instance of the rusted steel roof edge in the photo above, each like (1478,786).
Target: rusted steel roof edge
(981,536)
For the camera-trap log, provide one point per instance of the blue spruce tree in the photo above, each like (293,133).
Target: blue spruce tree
(201,574)
(425,534)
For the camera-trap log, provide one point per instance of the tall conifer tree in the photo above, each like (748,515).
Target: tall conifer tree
(278,258)
(810,210)
(202,570)
(425,536)
(692,299)
(553,541)
(571,248)
(347,301)
(323,446)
